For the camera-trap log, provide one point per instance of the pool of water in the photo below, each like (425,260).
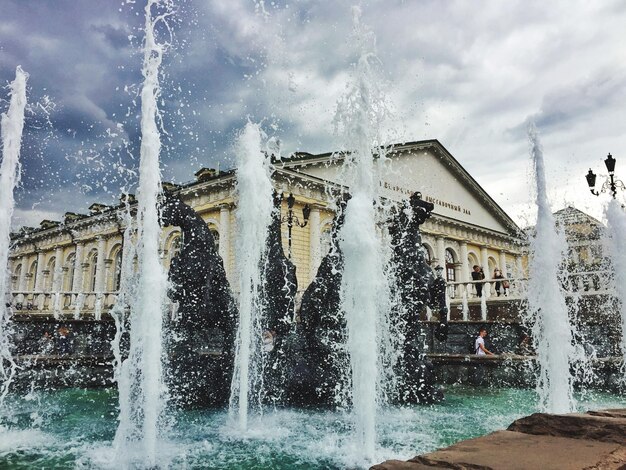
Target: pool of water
(74,429)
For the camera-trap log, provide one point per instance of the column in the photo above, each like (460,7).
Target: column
(441,254)
(100,266)
(503,263)
(484,260)
(38,300)
(77,282)
(39,278)
(518,266)
(465,275)
(314,242)
(224,251)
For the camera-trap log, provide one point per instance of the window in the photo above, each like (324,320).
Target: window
(175,247)
(93,270)
(450,272)
(51,275)
(16,277)
(427,256)
(71,267)
(33,277)
(117,271)
(216,239)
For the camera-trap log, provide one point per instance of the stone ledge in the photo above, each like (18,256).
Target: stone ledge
(577,441)
(574,426)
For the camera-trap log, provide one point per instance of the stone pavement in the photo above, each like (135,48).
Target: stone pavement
(595,440)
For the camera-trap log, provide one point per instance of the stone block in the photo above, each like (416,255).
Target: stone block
(519,451)
(574,426)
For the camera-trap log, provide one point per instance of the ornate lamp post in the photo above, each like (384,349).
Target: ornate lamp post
(291,219)
(610,184)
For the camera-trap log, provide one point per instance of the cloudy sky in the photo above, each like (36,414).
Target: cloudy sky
(468,73)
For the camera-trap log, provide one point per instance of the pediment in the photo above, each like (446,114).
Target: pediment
(429,168)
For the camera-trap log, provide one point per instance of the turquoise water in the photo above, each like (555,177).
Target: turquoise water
(74,429)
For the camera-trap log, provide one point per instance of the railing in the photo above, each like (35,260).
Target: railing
(79,304)
(467,290)
(75,304)
(587,282)
(462,294)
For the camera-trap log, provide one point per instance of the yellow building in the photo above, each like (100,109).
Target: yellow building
(72,267)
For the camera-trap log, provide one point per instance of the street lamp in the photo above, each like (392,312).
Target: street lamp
(610,184)
(291,219)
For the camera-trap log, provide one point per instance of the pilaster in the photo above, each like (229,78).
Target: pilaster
(224,250)
(58,270)
(441,252)
(465,276)
(100,266)
(40,267)
(314,241)
(77,282)
(503,263)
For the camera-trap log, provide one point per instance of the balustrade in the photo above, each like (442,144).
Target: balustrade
(94,303)
(65,303)
(587,282)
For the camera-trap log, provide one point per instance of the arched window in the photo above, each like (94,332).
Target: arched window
(93,271)
(70,264)
(49,285)
(472,260)
(216,238)
(427,256)
(172,245)
(117,270)
(450,272)
(15,285)
(175,246)
(32,277)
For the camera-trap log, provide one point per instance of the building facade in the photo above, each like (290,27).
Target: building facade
(72,267)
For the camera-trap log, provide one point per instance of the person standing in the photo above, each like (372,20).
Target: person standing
(477,275)
(479,344)
(497,274)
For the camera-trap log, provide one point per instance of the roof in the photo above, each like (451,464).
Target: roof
(578,225)
(300,160)
(571,215)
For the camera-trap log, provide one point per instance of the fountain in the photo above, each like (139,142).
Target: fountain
(254,212)
(277,300)
(548,314)
(12,126)
(363,296)
(354,364)
(141,385)
(126,293)
(616,228)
